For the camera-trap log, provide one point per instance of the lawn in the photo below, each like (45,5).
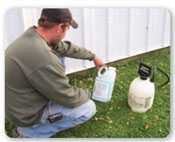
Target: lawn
(115,119)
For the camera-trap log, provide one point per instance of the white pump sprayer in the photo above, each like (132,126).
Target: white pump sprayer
(142,89)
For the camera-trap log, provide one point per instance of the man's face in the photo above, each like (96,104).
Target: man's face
(59,32)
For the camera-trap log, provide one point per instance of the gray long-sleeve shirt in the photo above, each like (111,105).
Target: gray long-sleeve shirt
(34,75)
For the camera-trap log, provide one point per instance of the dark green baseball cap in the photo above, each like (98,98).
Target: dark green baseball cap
(58,15)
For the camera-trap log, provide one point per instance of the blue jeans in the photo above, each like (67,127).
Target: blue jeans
(71,118)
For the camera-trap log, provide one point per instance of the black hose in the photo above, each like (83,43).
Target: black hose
(165,74)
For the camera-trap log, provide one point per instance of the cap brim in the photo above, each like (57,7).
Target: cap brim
(74,24)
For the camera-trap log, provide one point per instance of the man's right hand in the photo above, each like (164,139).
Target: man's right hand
(98,62)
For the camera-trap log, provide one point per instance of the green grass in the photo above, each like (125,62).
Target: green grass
(115,119)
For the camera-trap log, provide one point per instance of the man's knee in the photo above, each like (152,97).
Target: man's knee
(90,109)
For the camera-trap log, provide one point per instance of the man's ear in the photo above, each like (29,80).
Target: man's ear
(58,28)
(62,27)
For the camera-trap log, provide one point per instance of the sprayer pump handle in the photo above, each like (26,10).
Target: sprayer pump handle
(144,71)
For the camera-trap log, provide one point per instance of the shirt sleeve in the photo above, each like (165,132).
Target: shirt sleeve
(51,81)
(68,49)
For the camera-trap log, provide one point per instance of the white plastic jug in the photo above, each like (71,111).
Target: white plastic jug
(104,84)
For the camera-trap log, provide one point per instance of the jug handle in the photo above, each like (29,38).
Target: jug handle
(165,74)
(102,70)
